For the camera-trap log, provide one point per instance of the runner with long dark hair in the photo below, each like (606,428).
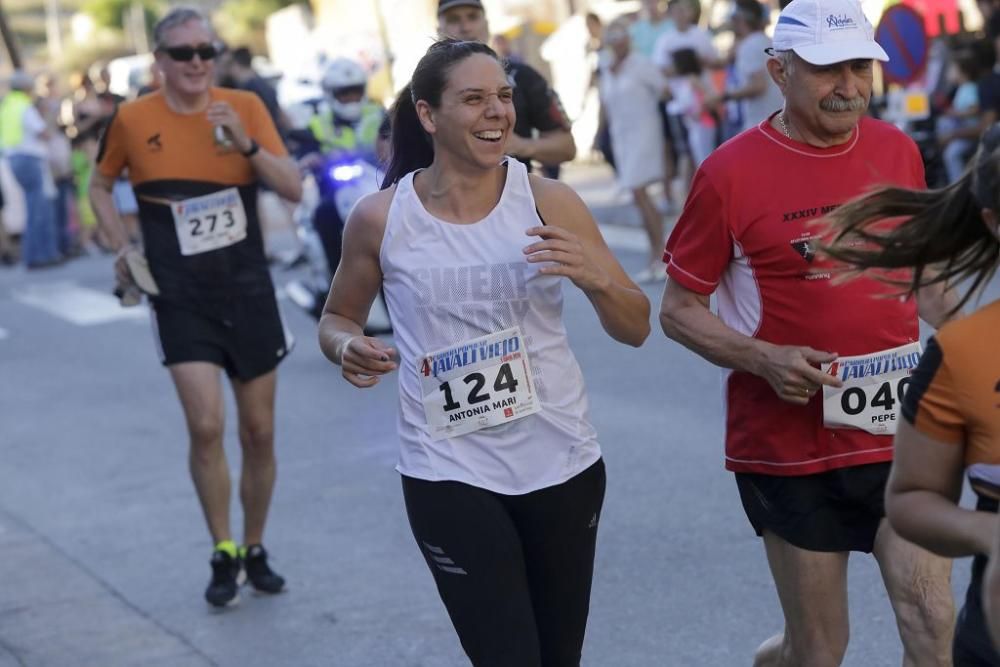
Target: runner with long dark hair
(951,411)
(501,470)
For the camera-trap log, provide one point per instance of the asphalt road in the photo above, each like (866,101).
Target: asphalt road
(104,555)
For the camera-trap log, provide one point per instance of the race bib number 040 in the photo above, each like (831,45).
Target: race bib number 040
(477,384)
(210,222)
(874,386)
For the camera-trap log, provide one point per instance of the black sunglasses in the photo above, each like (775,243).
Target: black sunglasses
(185,54)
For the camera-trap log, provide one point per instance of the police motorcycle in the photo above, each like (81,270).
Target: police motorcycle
(337,154)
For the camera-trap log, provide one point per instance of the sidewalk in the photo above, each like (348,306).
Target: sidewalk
(57,612)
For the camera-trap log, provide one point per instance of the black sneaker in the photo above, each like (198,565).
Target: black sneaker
(223,589)
(259,573)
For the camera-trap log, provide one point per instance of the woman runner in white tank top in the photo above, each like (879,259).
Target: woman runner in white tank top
(502,474)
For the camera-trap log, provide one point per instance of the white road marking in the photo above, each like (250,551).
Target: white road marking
(80,305)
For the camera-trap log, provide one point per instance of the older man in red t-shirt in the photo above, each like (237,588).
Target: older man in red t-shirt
(811,465)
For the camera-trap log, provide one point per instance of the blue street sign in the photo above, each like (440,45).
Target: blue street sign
(902,34)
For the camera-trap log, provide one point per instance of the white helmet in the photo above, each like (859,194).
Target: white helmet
(343,74)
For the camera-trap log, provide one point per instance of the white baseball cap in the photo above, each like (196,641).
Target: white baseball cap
(823,32)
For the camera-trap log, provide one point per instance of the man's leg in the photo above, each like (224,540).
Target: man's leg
(919,587)
(652,222)
(255,406)
(200,391)
(812,588)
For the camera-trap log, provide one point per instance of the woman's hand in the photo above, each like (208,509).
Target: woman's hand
(364,359)
(569,256)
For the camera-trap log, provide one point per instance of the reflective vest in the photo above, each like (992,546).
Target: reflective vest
(334,138)
(12,109)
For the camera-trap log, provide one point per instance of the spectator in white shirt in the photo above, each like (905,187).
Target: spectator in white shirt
(686,35)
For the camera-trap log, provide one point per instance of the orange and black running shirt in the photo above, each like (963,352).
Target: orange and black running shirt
(954,396)
(177,169)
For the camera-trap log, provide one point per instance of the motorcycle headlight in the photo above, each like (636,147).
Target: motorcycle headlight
(346,172)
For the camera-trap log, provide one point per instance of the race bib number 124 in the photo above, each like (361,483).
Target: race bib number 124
(477,384)
(874,386)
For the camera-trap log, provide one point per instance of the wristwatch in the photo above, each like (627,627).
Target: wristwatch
(254,147)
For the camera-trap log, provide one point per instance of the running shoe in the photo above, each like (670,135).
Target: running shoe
(259,573)
(223,589)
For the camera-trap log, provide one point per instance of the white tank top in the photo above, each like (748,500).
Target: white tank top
(447,283)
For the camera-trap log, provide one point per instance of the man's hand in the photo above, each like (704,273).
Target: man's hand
(792,371)
(223,115)
(520,147)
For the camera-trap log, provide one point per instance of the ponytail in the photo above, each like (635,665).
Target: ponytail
(944,230)
(411,145)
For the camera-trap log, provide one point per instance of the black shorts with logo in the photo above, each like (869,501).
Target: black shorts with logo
(838,510)
(245,336)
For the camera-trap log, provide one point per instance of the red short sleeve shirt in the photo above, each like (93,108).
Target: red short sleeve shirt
(748,235)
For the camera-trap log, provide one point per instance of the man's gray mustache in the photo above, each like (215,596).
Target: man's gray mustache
(839,104)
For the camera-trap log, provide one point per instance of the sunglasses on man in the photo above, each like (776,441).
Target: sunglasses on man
(185,54)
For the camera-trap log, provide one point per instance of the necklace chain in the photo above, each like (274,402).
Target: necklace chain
(784,126)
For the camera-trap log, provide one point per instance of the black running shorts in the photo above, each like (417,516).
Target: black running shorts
(838,510)
(973,646)
(245,336)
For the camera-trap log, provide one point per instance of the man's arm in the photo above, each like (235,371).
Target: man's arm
(755,87)
(279,172)
(554,143)
(553,147)
(685,316)
(103,203)
(973,132)
(109,222)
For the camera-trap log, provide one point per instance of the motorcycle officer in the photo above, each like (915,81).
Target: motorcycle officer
(345,124)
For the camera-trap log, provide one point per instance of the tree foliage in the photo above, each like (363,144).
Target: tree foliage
(242,22)
(111,13)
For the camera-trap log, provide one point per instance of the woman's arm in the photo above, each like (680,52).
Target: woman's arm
(922,496)
(573,247)
(341,328)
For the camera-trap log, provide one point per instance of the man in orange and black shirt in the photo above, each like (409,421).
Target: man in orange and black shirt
(195,156)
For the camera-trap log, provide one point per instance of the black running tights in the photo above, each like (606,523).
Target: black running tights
(513,571)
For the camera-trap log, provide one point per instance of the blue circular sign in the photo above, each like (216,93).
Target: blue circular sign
(902,34)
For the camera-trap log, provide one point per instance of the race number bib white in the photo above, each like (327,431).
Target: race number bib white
(477,384)
(874,385)
(210,222)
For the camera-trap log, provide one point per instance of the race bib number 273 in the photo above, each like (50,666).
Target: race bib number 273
(210,222)
(874,386)
(477,384)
